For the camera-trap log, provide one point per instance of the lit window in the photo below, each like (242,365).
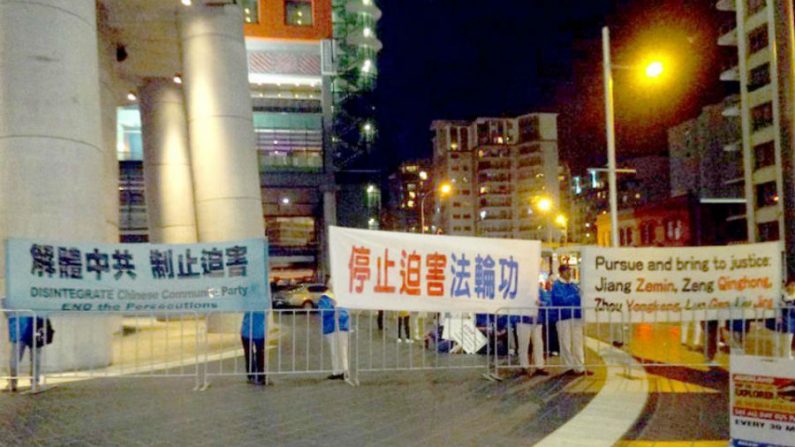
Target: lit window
(298,12)
(250,11)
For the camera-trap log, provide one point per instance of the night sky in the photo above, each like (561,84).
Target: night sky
(460,59)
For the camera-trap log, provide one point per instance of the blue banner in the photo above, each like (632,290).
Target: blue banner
(226,276)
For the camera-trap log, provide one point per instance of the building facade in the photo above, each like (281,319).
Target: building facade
(642,180)
(762,33)
(308,61)
(680,221)
(497,168)
(410,200)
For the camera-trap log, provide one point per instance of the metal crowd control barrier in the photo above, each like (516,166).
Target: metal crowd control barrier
(111,345)
(206,346)
(427,346)
(695,338)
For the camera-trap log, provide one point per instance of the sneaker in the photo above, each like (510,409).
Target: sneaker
(336,377)
(400,340)
(618,344)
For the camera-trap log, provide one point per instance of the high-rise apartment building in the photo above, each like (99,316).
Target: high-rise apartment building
(410,197)
(498,167)
(762,33)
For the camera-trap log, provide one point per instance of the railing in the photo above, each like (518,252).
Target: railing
(203,347)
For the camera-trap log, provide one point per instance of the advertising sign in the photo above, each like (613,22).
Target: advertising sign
(762,401)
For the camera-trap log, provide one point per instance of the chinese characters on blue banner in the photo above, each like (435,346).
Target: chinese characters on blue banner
(188,263)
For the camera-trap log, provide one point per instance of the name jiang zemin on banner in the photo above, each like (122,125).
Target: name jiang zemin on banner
(137,278)
(684,283)
(381,270)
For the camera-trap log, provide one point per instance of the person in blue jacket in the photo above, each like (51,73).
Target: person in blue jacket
(529,328)
(253,333)
(20,336)
(565,296)
(787,323)
(335,331)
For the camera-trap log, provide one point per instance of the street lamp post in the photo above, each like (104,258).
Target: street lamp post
(444,189)
(611,137)
(654,69)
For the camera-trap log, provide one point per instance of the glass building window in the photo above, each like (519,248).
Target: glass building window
(754,6)
(759,77)
(762,116)
(757,39)
(250,10)
(289,142)
(298,12)
(764,155)
(766,194)
(768,231)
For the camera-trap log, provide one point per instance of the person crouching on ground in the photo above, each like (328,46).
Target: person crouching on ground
(252,335)
(566,296)
(335,331)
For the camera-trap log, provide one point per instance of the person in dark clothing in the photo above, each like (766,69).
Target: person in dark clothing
(252,336)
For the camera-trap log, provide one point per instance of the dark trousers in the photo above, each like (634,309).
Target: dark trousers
(380,320)
(255,368)
(710,330)
(403,323)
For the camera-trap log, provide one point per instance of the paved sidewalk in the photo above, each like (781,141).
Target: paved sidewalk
(444,407)
(417,408)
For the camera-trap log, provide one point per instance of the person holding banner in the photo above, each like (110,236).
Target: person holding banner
(787,326)
(23,335)
(532,328)
(565,295)
(335,331)
(252,335)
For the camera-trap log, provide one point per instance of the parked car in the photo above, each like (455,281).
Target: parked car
(304,295)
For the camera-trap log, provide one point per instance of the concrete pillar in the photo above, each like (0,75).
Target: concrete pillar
(51,161)
(221,129)
(167,168)
(220,123)
(110,178)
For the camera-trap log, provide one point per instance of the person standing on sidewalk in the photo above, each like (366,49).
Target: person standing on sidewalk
(31,334)
(787,324)
(566,296)
(253,333)
(335,331)
(403,326)
(528,328)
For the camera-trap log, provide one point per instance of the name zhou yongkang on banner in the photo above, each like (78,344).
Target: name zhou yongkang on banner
(134,278)
(736,281)
(403,271)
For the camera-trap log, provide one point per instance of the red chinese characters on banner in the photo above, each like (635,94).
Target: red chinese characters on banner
(412,271)
(434,278)
(358,268)
(410,265)
(382,276)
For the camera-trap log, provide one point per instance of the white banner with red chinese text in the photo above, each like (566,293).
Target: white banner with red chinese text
(733,282)
(381,270)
